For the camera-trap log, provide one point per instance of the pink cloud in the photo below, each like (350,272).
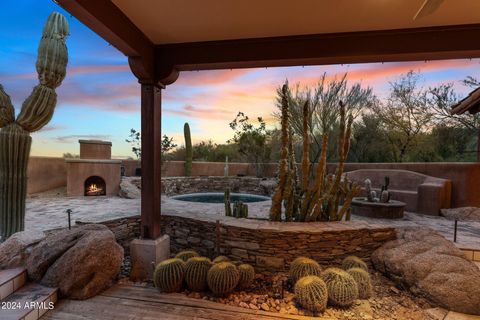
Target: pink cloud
(194,78)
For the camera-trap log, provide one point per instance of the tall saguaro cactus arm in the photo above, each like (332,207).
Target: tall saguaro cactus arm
(38,108)
(36,112)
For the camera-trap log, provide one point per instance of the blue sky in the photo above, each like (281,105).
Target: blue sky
(100,98)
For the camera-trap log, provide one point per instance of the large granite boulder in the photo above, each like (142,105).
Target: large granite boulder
(433,267)
(128,188)
(15,250)
(81,262)
(463,213)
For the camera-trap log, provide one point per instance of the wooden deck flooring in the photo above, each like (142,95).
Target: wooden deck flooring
(123,302)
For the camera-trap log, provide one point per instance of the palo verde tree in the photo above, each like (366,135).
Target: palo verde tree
(323,112)
(36,112)
(252,141)
(406,115)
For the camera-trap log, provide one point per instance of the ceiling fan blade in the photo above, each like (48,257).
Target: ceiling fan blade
(428,7)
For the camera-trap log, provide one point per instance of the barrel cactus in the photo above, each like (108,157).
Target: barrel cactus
(247,275)
(196,271)
(311,293)
(36,112)
(188,150)
(187,254)
(221,259)
(354,262)
(304,267)
(169,275)
(222,278)
(342,287)
(364,283)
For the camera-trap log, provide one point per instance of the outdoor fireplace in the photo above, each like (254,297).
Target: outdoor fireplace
(95,186)
(94,173)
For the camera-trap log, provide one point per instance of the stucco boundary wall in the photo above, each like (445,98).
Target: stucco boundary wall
(465,176)
(268,246)
(46,173)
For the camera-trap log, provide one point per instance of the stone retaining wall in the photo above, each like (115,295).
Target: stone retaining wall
(124,229)
(268,246)
(181,185)
(271,246)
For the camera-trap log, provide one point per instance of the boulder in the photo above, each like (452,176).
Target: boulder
(15,250)
(129,188)
(463,213)
(81,262)
(431,266)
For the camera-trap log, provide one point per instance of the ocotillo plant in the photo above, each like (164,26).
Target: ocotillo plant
(318,198)
(36,112)
(188,150)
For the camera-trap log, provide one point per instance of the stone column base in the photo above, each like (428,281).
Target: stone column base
(146,254)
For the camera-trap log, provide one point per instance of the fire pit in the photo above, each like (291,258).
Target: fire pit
(392,209)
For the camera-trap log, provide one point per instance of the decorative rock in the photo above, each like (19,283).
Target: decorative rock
(430,265)
(265,307)
(128,189)
(252,306)
(463,213)
(81,262)
(16,249)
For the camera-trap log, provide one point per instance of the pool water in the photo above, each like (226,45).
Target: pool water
(217,197)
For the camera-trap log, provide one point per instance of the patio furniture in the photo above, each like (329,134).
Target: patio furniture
(421,193)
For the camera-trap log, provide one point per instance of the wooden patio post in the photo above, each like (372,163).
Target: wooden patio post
(153,247)
(151,100)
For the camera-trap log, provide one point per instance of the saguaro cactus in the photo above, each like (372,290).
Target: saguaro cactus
(188,150)
(36,112)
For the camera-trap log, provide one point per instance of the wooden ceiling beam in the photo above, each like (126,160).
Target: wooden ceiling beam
(109,22)
(446,42)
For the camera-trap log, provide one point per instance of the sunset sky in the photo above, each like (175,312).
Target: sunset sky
(100,98)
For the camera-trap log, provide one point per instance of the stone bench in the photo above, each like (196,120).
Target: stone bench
(422,193)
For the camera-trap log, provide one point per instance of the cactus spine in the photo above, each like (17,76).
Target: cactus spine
(196,271)
(222,278)
(304,267)
(169,274)
(247,275)
(363,280)
(221,259)
(36,112)
(342,287)
(187,254)
(311,293)
(188,150)
(354,262)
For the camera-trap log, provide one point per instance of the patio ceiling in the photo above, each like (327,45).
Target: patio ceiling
(163,37)
(167,21)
